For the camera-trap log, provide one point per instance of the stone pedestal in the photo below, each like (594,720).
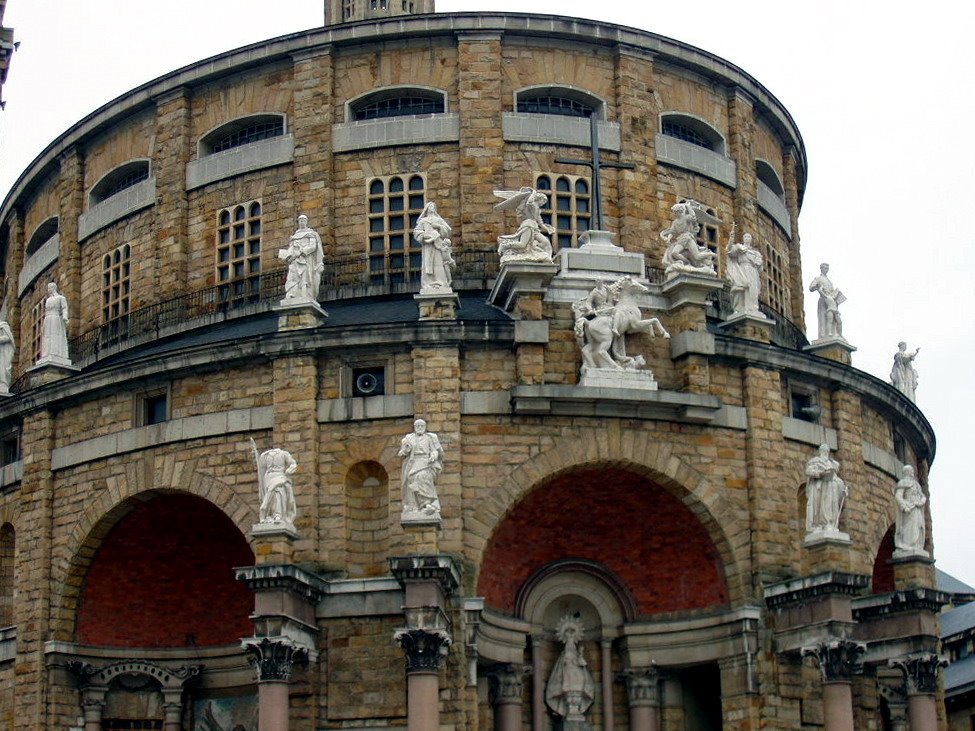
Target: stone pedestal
(273,542)
(753,326)
(826,551)
(687,297)
(519,279)
(913,571)
(598,254)
(690,289)
(837,349)
(299,314)
(437,305)
(613,378)
(419,519)
(49,370)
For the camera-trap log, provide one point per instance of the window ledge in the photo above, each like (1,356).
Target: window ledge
(37,262)
(239,160)
(125,202)
(672,151)
(769,202)
(409,130)
(555,129)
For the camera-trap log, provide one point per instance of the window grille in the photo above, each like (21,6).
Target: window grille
(251,133)
(685,133)
(115,283)
(37,327)
(569,207)
(774,271)
(395,203)
(409,103)
(238,252)
(554,104)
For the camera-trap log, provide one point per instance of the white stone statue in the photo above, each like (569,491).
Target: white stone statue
(437,263)
(602,320)
(275,489)
(531,241)
(570,689)
(909,530)
(54,335)
(903,375)
(745,275)
(306,262)
(422,464)
(828,310)
(825,495)
(684,255)
(7,350)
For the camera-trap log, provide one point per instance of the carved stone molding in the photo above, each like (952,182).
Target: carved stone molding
(439,569)
(168,677)
(425,649)
(508,682)
(274,657)
(839,660)
(920,672)
(642,686)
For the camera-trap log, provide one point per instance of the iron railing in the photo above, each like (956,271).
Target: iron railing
(784,333)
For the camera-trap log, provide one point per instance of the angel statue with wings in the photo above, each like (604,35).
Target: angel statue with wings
(530,242)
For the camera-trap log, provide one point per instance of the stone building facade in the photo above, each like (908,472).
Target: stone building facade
(134,588)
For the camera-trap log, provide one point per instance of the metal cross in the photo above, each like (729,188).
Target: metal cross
(595,164)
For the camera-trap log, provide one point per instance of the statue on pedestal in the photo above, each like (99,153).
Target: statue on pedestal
(570,690)
(825,493)
(828,309)
(903,375)
(437,262)
(684,255)
(422,464)
(909,530)
(54,335)
(305,259)
(745,275)
(531,241)
(8,349)
(275,489)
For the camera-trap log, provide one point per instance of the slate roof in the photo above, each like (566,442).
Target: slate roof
(948,583)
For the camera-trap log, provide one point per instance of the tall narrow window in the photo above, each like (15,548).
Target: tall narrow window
(238,263)
(569,207)
(394,205)
(775,279)
(115,284)
(7,556)
(37,328)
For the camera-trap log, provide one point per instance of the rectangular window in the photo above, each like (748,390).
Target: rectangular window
(152,407)
(37,328)
(238,251)
(395,203)
(569,207)
(115,284)
(9,448)
(774,271)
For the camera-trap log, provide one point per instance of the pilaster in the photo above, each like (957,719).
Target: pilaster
(172,151)
(12,267)
(741,132)
(311,125)
(741,702)
(790,162)
(691,344)
(848,422)
(71,194)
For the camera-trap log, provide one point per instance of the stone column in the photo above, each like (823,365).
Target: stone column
(606,661)
(507,689)
(839,661)
(92,706)
(173,710)
(425,652)
(921,679)
(643,692)
(274,660)
(538,685)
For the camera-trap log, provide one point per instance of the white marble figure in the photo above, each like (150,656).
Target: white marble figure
(7,350)
(903,375)
(531,241)
(909,530)
(422,464)
(602,320)
(828,310)
(54,334)
(275,489)
(825,494)
(684,255)
(570,689)
(306,262)
(745,275)
(437,263)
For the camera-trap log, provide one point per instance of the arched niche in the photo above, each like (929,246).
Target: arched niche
(367,518)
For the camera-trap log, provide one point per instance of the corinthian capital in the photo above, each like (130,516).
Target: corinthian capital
(838,659)
(425,649)
(274,657)
(920,672)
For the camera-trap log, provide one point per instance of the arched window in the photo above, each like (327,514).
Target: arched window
(117,180)
(395,203)
(397,101)
(766,174)
(568,208)
(42,234)
(561,100)
(242,131)
(693,130)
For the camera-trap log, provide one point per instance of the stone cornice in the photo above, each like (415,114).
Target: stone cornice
(440,569)
(795,591)
(283,576)
(910,600)
(580,31)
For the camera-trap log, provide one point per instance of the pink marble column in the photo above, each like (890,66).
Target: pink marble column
(643,693)
(425,651)
(606,660)
(274,658)
(921,680)
(838,706)
(839,661)
(507,690)
(538,685)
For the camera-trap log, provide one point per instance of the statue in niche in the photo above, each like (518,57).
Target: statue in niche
(531,241)
(828,309)
(422,464)
(570,689)
(437,262)
(745,275)
(54,335)
(306,262)
(825,493)
(602,320)
(8,349)
(909,530)
(684,255)
(275,489)
(903,375)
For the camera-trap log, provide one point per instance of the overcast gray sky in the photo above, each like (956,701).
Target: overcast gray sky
(881,96)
